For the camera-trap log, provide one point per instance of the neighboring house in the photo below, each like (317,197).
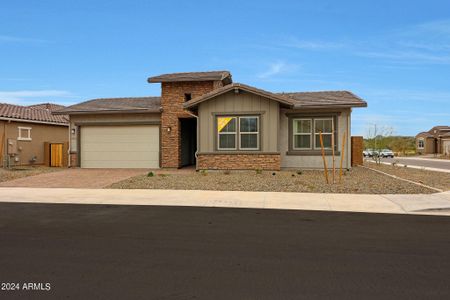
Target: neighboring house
(434,141)
(204,118)
(27,132)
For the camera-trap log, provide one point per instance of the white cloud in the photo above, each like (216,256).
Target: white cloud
(25,96)
(311,45)
(17,39)
(277,68)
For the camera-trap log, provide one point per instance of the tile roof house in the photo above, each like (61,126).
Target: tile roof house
(26,133)
(203,118)
(434,141)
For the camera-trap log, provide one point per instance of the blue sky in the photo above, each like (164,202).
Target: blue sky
(394,54)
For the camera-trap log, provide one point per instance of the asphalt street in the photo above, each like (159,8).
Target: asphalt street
(152,252)
(435,163)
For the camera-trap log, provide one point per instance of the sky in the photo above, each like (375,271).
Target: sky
(393,54)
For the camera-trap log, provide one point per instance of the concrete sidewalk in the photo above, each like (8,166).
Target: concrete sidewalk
(436,204)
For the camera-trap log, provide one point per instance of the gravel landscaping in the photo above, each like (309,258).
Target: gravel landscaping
(438,180)
(356,181)
(19,172)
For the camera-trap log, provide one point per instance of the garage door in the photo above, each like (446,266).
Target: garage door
(135,146)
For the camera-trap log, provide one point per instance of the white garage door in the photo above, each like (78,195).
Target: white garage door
(134,146)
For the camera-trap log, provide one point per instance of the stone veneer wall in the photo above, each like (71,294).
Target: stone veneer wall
(238,161)
(172,99)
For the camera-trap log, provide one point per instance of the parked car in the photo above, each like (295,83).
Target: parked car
(368,153)
(387,153)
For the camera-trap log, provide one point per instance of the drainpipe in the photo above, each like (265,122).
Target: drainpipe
(197,139)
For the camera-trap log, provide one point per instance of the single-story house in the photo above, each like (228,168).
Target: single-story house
(32,135)
(434,141)
(204,119)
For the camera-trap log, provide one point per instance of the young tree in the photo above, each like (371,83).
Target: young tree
(377,140)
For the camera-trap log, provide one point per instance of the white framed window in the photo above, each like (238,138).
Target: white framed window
(302,134)
(249,133)
(24,134)
(237,132)
(421,143)
(324,125)
(226,133)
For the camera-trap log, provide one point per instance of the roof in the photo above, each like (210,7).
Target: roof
(129,104)
(425,134)
(30,114)
(325,98)
(238,86)
(48,106)
(192,76)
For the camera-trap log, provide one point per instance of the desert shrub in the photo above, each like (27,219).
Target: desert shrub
(299,172)
(258,171)
(203,172)
(150,174)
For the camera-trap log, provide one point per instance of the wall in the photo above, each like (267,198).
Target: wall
(239,103)
(40,133)
(315,161)
(428,143)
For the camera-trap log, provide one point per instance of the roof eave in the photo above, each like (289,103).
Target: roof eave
(300,106)
(106,111)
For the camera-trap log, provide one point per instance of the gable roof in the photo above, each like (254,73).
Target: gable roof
(238,86)
(424,134)
(192,76)
(325,98)
(105,105)
(30,114)
(292,100)
(48,106)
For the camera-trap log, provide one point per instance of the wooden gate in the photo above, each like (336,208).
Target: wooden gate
(56,155)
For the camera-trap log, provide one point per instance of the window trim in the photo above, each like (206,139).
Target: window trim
(423,143)
(237,116)
(225,133)
(323,133)
(20,137)
(310,134)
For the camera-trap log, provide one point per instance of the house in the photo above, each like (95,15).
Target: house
(27,134)
(434,141)
(203,118)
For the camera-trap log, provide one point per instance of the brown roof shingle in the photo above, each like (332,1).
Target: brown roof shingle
(25,113)
(48,106)
(325,98)
(192,76)
(129,104)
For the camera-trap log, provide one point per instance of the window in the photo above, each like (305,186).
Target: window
(227,132)
(304,135)
(238,133)
(24,134)
(187,96)
(325,126)
(302,130)
(248,133)
(421,144)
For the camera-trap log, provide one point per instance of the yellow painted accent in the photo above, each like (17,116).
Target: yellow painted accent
(56,155)
(222,122)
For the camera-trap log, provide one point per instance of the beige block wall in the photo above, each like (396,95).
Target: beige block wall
(40,133)
(102,119)
(239,103)
(315,161)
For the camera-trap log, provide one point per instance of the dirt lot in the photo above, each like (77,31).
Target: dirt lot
(438,180)
(358,180)
(19,172)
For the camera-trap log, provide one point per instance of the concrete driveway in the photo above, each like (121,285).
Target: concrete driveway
(75,178)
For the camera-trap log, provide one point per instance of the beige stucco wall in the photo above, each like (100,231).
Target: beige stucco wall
(102,119)
(239,103)
(40,133)
(315,161)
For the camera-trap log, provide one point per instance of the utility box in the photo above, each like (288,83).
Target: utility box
(12,147)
